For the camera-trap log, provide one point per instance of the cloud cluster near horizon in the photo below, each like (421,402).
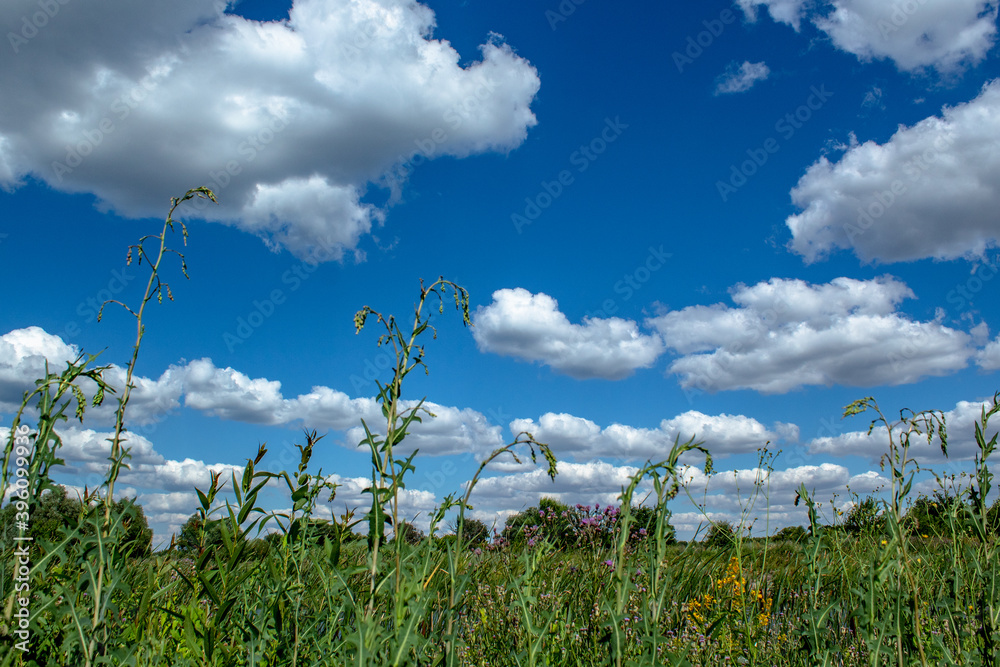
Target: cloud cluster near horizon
(781,335)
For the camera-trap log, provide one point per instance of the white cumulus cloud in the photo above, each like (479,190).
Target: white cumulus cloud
(229,394)
(531,327)
(960,421)
(786,334)
(932,190)
(989,357)
(580,438)
(943,34)
(947,35)
(290,122)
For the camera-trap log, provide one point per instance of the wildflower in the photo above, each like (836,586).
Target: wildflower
(609,563)
(884,543)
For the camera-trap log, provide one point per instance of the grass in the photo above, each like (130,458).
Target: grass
(876,592)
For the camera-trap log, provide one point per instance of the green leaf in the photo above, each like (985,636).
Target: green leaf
(203,499)
(209,587)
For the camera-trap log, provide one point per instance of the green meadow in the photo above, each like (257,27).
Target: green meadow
(902,579)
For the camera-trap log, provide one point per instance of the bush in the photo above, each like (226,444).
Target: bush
(409,533)
(720,535)
(866,518)
(138,535)
(475,533)
(929,515)
(582,526)
(56,512)
(644,525)
(791,534)
(993,517)
(53,512)
(548,520)
(188,540)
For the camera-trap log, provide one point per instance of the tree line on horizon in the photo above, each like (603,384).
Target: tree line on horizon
(564,526)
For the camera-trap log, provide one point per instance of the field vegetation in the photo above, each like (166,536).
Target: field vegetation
(897,581)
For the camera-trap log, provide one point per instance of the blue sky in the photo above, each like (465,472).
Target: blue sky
(725,220)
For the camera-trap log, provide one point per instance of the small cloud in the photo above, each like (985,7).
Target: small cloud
(741,79)
(873,99)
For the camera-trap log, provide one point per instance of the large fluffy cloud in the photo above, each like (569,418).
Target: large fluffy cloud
(289,121)
(531,327)
(932,190)
(786,334)
(914,34)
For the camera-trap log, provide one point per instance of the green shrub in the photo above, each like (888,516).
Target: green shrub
(475,533)
(409,533)
(720,535)
(795,534)
(56,514)
(866,518)
(188,540)
(929,515)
